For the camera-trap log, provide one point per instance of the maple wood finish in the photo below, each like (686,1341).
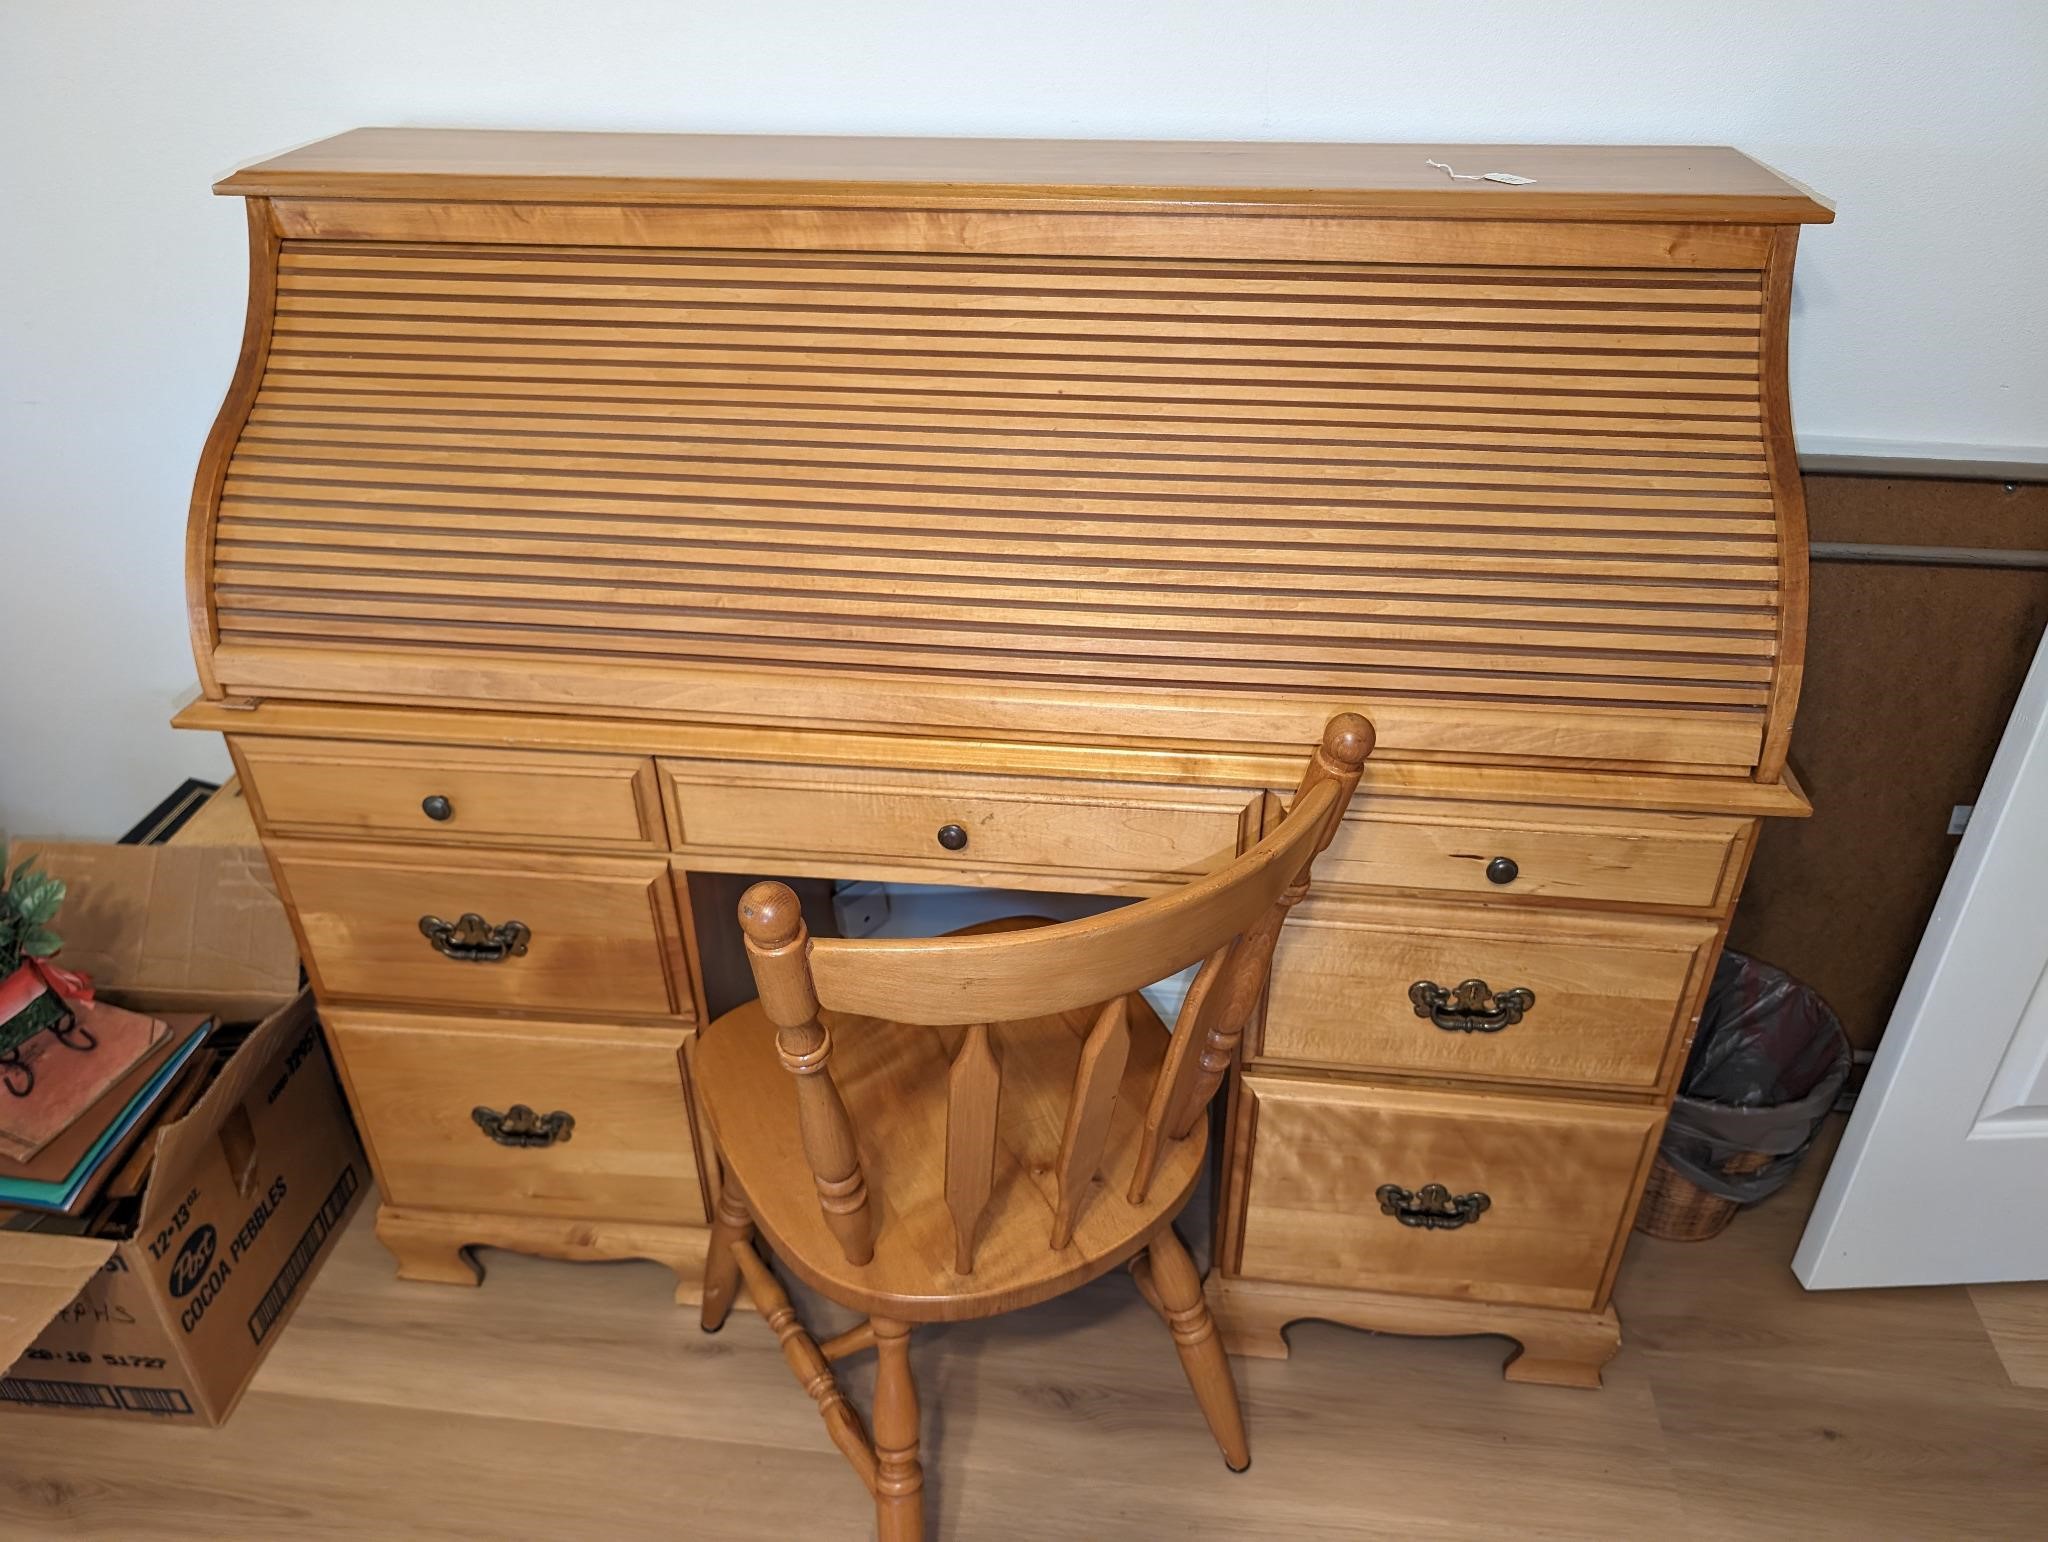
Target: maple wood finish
(591,510)
(948,1175)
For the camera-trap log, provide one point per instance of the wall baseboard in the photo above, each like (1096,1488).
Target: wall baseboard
(1953,462)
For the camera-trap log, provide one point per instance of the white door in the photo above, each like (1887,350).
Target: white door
(1942,1177)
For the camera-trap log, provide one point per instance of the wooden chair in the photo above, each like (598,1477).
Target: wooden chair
(950,1172)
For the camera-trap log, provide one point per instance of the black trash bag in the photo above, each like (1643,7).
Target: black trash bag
(1768,1063)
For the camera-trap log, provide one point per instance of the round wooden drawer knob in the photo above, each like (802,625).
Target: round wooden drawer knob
(952,837)
(437,808)
(1502,870)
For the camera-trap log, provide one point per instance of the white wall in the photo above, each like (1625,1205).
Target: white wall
(1918,316)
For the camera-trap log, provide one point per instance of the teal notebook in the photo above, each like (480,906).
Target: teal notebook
(61,1194)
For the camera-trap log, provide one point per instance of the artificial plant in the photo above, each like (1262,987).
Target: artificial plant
(28,904)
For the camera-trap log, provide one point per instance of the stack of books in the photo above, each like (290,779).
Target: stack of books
(80,1141)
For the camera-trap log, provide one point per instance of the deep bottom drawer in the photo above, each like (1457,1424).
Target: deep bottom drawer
(1558,1177)
(419,1084)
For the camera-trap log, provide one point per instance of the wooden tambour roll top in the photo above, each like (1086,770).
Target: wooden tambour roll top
(1197,443)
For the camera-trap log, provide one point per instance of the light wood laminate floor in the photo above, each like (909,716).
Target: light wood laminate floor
(573,1401)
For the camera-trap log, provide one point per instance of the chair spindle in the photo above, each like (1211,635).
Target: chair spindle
(778,947)
(1176,1073)
(1096,1079)
(973,1093)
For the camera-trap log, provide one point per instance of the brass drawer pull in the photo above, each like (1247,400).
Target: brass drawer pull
(473,940)
(1433,1207)
(1471,1006)
(521,1126)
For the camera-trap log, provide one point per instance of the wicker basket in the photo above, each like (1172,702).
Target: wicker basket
(1679,1210)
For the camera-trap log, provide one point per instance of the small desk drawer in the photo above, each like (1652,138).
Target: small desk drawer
(1558,1178)
(425,1089)
(1502,852)
(600,934)
(947,828)
(413,792)
(1607,994)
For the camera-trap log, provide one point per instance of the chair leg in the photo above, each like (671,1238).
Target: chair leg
(899,1479)
(1168,1280)
(721,1269)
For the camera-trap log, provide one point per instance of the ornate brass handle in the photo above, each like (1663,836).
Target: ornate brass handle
(1471,1006)
(1432,1207)
(521,1126)
(474,940)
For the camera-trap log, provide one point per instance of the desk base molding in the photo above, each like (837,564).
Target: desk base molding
(438,1246)
(1552,1348)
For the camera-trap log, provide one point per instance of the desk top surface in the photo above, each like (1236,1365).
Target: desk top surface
(1709,183)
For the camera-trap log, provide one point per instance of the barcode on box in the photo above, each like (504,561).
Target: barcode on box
(294,1268)
(154,1400)
(57,1394)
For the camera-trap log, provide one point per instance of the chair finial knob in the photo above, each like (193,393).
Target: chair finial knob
(1348,739)
(771,915)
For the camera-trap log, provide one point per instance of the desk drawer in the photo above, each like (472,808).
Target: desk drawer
(418,1083)
(1610,992)
(601,933)
(1501,852)
(1558,1179)
(948,828)
(335,787)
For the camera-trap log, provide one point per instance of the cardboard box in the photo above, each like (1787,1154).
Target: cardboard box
(247,1191)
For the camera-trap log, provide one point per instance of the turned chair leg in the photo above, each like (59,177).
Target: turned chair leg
(732,1225)
(1166,1277)
(899,1479)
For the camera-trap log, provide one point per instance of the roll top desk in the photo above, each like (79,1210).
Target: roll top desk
(588,511)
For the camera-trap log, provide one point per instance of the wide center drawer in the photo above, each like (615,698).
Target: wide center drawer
(949,828)
(1569,998)
(551,933)
(1487,1198)
(431,792)
(609,1133)
(1502,851)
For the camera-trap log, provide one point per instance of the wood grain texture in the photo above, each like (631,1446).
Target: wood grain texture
(410,384)
(1551,1347)
(1287,235)
(1864,1413)
(1050,492)
(1114,760)
(1788,492)
(1562,1177)
(234,411)
(1613,993)
(1076,965)
(374,791)
(1638,182)
(606,936)
(893,1080)
(1701,742)
(778,945)
(974,1086)
(2016,1317)
(1085,1136)
(740,816)
(416,1080)
(1558,854)
(438,1246)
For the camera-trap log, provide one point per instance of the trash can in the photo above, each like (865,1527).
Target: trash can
(1767,1064)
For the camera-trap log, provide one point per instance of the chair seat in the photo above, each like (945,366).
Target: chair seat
(892,1078)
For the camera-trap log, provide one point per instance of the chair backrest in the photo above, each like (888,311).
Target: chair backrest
(1228,921)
